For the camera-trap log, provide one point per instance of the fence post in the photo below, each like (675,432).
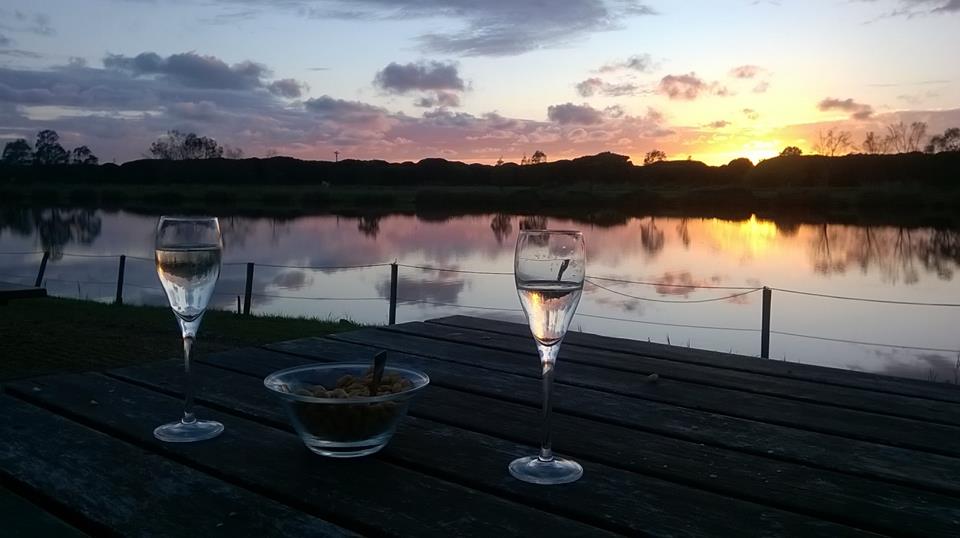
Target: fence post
(123,264)
(393,293)
(43,267)
(765,324)
(248,290)
(238,305)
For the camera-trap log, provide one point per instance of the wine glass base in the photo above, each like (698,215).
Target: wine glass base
(536,471)
(188,432)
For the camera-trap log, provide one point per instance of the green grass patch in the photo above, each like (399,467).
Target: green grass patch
(53,335)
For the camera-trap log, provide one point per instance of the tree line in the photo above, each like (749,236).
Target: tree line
(46,151)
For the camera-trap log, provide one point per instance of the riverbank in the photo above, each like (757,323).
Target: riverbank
(53,335)
(891,204)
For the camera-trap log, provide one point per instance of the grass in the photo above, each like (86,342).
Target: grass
(53,335)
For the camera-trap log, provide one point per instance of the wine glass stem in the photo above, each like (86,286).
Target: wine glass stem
(188,417)
(548,360)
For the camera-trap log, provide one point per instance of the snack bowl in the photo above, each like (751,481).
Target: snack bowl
(330,406)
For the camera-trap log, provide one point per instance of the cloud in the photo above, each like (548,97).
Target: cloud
(719,124)
(914,8)
(750,113)
(689,86)
(402,78)
(641,63)
(5,41)
(440,99)
(20,21)
(326,107)
(491,27)
(594,85)
(858,111)
(191,69)
(761,87)
(746,71)
(20,53)
(287,87)
(578,114)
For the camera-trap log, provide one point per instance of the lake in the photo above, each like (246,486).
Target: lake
(667,258)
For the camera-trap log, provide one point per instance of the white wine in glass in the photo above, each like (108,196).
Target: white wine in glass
(188,256)
(549,268)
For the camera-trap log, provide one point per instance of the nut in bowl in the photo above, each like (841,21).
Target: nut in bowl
(333,410)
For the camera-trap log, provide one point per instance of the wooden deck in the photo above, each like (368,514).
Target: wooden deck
(10,291)
(718,445)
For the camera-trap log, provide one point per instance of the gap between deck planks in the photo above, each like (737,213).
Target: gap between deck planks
(854,424)
(772,367)
(637,505)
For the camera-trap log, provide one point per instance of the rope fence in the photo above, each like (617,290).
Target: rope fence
(592,280)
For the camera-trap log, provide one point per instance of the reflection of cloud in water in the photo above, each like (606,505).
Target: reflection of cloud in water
(625,305)
(441,291)
(919,365)
(292,279)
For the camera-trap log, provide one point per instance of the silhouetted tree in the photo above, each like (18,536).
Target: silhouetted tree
(49,150)
(791,151)
(177,146)
(538,157)
(654,156)
(833,143)
(948,141)
(902,138)
(875,145)
(83,155)
(17,152)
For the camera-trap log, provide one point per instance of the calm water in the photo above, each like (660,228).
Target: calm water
(916,264)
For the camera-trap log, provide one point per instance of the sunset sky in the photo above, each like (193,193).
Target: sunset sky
(474,81)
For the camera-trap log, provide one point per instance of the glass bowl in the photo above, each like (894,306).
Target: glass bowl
(343,427)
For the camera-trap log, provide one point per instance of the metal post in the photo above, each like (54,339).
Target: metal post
(248,291)
(393,293)
(43,267)
(765,324)
(123,264)
(238,304)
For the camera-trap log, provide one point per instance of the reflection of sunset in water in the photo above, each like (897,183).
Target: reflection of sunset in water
(883,262)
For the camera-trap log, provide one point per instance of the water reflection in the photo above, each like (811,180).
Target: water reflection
(671,254)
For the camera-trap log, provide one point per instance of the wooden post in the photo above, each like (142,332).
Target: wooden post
(123,264)
(43,267)
(393,293)
(238,304)
(248,291)
(765,324)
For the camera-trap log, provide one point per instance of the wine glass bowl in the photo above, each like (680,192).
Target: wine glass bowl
(188,257)
(549,270)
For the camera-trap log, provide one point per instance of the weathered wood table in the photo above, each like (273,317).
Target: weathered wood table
(719,445)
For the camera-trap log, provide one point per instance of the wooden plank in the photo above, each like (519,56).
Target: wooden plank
(894,431)
(863,503)
(916,469)
(795,389)
(608,497)
(371,495)
(9,291)
(791,370)
(22,519)
(121,489)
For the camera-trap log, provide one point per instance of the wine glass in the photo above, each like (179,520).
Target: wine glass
(188,253)
(549,268)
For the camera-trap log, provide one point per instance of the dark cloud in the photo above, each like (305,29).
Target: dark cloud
(19,53)
(340,110)
(568,113)
(746,71)
(292,280)
(495,27)
(192,69)
(642,63)
(200,111)
(914,8)
(402,78)
(287,87)
(750,113)
(593,86)
(719,124)
(21,21)
(5,41)
(857,111)
(689,86)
